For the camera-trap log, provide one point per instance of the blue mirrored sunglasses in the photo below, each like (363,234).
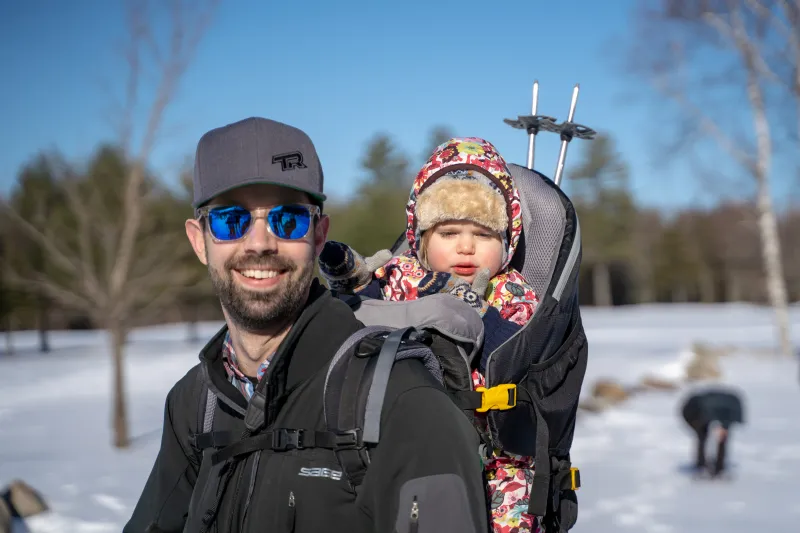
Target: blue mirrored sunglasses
(231,223)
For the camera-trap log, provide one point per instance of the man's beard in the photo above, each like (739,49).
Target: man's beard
(257,310)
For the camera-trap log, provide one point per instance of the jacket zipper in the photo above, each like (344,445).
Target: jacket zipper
(291,514)
(254,471)
(414,522)
(241,467)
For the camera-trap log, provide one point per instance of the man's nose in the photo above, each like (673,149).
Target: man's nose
(259,239)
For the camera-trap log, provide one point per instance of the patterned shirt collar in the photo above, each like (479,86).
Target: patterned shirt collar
(235,375)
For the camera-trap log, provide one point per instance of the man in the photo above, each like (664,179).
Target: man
(714,408)
(259,228)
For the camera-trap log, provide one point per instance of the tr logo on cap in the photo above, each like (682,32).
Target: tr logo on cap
(289,160)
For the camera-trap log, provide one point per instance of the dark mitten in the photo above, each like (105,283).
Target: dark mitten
(347,271)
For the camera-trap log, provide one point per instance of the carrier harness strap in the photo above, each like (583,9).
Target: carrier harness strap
(551,475)
(275,440)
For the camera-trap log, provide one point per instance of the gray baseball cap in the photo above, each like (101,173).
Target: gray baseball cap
(255,150)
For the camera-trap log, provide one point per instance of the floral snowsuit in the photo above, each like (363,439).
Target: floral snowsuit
(404,278)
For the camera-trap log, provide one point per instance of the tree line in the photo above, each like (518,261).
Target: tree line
(631,254)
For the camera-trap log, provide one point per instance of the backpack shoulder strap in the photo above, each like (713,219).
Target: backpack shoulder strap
(355,390)
(345,406)
(206,408)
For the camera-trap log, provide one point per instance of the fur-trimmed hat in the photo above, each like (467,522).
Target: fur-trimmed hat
(462,195)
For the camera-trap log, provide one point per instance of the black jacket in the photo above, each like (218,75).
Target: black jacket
(427,460)
(713,405)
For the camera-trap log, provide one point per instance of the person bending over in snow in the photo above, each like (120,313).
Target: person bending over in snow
(705,410)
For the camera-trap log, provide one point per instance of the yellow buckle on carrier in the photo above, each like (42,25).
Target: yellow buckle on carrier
(575,478)
(501,397)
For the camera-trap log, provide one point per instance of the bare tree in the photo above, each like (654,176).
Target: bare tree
(791,240)
(606,208)
(788,27)
(740,34)
(35,198)
(6,304)
(108,271)
(645,235)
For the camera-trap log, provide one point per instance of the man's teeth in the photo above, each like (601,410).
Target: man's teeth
(259,274)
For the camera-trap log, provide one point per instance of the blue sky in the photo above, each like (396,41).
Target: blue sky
(342,71)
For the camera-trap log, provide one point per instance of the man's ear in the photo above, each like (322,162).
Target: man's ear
(195,231)
(321,233)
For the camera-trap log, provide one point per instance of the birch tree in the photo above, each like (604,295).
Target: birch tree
(719,61)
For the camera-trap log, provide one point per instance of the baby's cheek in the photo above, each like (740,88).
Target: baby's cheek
(491,258)
(438,259)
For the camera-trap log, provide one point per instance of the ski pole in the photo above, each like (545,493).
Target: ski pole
(566,136)
(532,134)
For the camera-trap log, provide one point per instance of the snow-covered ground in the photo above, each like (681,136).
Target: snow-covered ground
(55,424)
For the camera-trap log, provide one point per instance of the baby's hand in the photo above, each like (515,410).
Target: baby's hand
(347,271)
(472,294)
(481,281)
